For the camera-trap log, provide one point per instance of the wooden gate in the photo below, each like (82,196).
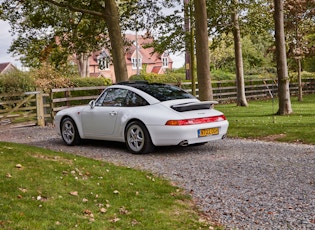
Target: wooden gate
(25,107)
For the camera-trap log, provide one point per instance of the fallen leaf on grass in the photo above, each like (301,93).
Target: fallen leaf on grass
(87,212)
(8,175)
(74,193)
(134,222)
(103,210)
(150,178)
(24,190)
(18,166)
(114,220)
(123,210)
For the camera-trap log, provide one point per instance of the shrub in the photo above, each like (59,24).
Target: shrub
(16,82)
(47,78)
(89,81)
(220,75)
(170,77)
(44,78)
(294,75)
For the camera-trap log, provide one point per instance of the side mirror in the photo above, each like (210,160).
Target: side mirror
(92,104)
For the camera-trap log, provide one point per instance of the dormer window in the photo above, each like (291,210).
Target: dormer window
(165,59)
(103,60)
(136,62)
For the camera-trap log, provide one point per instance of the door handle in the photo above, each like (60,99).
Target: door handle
(113,113)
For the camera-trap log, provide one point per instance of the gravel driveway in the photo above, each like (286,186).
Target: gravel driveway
(242,184)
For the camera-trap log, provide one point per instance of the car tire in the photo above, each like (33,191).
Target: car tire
(137,138)
(69,132)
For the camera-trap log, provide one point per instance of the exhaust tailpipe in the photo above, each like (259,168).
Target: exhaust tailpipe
(183,143)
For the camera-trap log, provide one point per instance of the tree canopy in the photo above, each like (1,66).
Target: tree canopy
(51,30)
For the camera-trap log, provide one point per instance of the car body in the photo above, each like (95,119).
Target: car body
(143,115)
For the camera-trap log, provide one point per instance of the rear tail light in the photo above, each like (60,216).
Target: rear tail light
(195,121)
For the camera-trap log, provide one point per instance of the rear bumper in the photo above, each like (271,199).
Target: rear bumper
(185,135)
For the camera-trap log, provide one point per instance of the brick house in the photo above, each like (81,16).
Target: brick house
(6,67)
(100,65)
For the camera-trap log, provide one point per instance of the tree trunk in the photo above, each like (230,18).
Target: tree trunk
(83,63)
(187,27)
(241,97)
(202,51)
(192,62)
(112,19)
(300,98)
(282,68)
(192,50)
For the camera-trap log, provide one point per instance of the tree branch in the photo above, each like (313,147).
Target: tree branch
(75,9)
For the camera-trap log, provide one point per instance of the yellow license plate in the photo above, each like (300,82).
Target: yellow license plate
(208,132)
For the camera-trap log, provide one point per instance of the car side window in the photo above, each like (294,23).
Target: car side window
(133,99)
(112,97)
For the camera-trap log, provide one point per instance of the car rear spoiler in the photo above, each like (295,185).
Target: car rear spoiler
(194,106)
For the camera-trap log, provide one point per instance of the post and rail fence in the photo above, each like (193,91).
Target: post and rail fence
(39,108)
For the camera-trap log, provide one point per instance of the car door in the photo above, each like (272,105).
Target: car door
(99,122)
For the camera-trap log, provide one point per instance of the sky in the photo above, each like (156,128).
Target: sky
(5,42)
(6,39)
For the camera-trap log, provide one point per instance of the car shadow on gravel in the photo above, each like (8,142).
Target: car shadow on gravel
(119,147)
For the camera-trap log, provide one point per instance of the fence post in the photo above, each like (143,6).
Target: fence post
(40,109)
(51,97)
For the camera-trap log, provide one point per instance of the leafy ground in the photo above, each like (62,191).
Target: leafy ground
(258,120)
(42,189)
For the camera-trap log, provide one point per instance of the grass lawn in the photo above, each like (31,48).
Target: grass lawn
(42,189)
(258,120)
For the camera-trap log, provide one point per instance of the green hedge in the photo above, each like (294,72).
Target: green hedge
(18,81)
(89,81)
(160,78)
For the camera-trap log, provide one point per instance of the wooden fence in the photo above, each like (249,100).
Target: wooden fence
(40,108)
(22,107)
(224,91)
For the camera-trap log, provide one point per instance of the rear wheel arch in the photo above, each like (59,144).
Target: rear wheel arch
(135,142)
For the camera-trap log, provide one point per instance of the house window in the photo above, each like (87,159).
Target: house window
(165,61)
(136,63)
(103,61)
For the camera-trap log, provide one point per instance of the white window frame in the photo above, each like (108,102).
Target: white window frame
(103,61)
(165,62)
(135,62)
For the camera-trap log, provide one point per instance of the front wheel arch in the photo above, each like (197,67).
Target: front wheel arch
(69,131)
(137,138)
